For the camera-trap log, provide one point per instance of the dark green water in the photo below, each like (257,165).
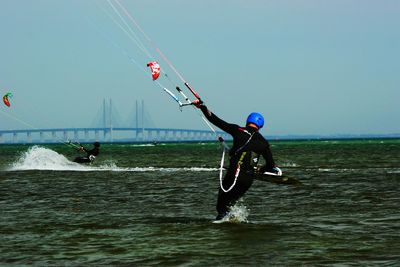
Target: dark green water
(154,205)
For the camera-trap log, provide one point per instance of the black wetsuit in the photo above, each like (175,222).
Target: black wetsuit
(248,144)
(89,155)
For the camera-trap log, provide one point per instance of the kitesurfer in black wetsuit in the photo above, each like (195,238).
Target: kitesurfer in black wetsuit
(248,145)
(90,154)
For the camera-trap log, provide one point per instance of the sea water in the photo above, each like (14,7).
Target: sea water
(155,205)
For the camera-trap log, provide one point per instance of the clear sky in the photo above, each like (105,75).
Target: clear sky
(309,66)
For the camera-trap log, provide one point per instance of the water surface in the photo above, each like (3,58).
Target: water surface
(149,205)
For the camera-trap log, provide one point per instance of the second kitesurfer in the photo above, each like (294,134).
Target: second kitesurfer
(90,154)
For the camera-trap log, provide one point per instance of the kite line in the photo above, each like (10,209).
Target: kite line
(125,21)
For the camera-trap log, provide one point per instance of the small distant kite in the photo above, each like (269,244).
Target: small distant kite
(155,69)
(6,99)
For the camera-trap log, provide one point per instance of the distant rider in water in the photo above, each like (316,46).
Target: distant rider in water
(248,145)
(90,154)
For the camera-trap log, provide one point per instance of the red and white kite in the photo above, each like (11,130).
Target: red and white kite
(155,69)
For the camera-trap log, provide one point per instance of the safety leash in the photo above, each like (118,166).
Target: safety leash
(238,164)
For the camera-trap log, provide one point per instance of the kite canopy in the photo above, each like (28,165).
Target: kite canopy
(6,99)
(155,69)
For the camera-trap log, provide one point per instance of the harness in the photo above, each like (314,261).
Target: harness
(237,172)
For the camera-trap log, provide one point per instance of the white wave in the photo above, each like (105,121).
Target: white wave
(40,158)
(237,214)
(393,171)
(139,145)
(288,165)
(153,169)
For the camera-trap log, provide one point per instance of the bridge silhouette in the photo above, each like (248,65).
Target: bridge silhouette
(108,127)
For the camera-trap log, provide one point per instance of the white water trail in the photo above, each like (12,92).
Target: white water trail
(40,158)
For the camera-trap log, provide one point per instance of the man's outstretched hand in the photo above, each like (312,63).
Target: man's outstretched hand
(197,103)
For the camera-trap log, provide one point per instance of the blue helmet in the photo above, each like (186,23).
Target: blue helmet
(255,118)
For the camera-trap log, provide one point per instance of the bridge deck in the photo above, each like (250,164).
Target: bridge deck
(57,135)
